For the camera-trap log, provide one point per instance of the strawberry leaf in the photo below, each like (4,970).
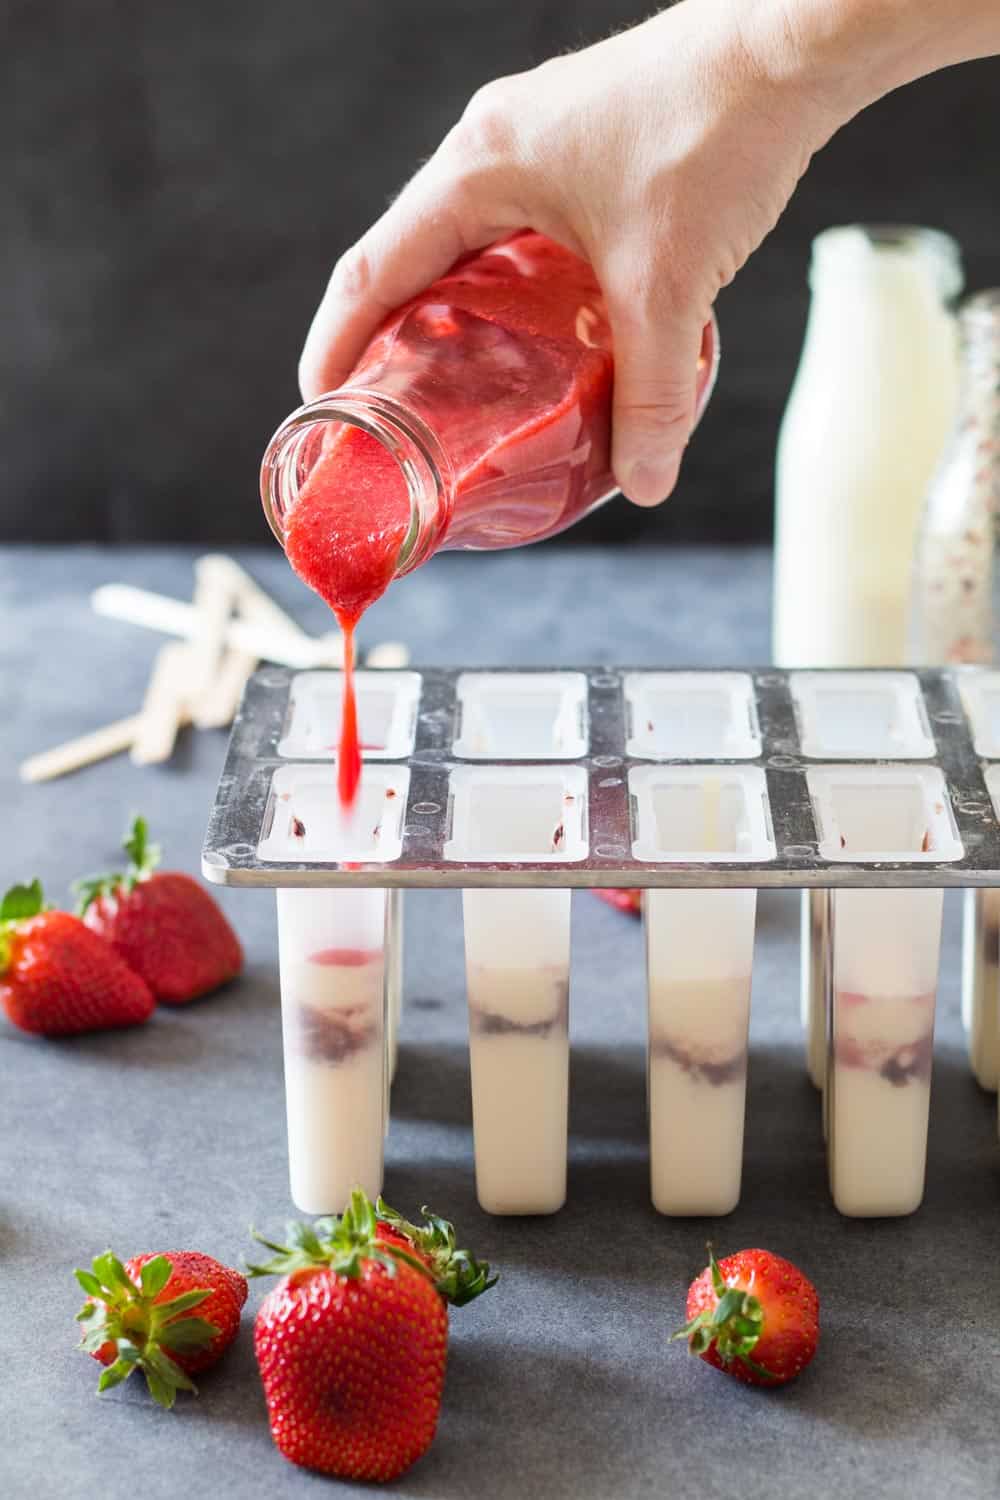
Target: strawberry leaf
(143,856)
(162,1392)
(116,1373)
(22,901)
(90,1284)
(188,1335)
(109,1270)
(154,1275)
(183,1303)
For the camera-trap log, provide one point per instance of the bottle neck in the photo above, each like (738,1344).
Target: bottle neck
(303,438)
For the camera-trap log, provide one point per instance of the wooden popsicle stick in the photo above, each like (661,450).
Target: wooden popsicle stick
(111,739)
(219,707)
(252,602)
(214,602)
(387,655)
(164,708)
(120,601)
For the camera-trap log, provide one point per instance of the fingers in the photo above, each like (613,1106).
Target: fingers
(414,242)
(657,341)
(459,201)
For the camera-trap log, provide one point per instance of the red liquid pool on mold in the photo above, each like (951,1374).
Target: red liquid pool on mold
(506,361)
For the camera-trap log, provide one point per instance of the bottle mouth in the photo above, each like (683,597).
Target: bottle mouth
(941,252)
(304,436)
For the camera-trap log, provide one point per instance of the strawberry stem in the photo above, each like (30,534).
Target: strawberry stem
(345,1242)
(734,1326)
(143,860)
(143,1332)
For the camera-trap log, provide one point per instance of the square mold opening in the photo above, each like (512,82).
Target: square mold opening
(515,814)
(387,714)
(521,716)
(305,824)
(861,716)
(992,778)
(980,695)
(700,814)
(875,814)
(691,716)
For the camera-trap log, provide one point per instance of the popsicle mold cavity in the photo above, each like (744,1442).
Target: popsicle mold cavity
(535,815)
(861,715)
(333,1006)
(691,716)
(517,974)
(875,814)
(980,695)
(521,716)
(699,956)
(305,823)
(387,714)
(700,814)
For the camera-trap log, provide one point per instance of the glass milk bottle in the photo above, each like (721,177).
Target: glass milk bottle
(951,618)
(869,412)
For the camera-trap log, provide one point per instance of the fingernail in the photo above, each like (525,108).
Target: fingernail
(649,483)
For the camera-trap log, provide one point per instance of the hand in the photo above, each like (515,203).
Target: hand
(663,156)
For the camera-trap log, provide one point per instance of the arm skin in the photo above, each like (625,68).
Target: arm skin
(664,155)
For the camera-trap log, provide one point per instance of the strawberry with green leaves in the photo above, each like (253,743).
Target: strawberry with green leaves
(352,1342)
(753,1315)
(57,978)
(169,1315)
(165,925)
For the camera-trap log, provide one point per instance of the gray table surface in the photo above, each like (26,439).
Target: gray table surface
(561,1382)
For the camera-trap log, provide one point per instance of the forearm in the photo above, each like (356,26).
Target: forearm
(855,51)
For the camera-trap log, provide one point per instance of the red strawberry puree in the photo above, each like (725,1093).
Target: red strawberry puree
(507,360)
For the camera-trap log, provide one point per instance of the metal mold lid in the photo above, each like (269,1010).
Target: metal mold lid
(420,843)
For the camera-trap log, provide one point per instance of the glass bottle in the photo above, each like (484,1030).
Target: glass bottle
(492,393)
(869,411)
(951,614)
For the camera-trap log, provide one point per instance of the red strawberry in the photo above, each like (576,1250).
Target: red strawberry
(753,1315)
(57,977)
(136,1317)
(351,1344)
(166,926)
(630,901)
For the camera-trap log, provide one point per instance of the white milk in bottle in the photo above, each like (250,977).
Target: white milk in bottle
(869,412)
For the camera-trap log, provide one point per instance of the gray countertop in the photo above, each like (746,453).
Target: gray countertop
(561,1382)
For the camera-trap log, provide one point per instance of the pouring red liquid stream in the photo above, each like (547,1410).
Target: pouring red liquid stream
(504,367)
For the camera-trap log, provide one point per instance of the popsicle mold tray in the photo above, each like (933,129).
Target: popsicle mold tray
(870,790)
(615,778)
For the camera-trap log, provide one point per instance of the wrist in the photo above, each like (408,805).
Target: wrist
(846,54)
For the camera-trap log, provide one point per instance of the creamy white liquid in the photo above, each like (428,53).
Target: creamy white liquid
(519,1056)
(334,1080)
(869,412)
(697,1092)
(880,1096)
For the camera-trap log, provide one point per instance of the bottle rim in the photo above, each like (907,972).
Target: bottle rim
(940,248)
(408,440)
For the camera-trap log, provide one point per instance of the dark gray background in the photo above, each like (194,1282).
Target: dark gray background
(184,175)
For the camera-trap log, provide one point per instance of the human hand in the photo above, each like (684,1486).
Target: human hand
(663,156)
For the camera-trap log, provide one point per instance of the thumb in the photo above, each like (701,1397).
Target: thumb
(656,362)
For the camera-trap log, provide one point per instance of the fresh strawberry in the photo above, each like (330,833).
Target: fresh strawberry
(136,1316)
(57,977)
(351,1344)
(624,900)
(164,925)
(754,1315)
